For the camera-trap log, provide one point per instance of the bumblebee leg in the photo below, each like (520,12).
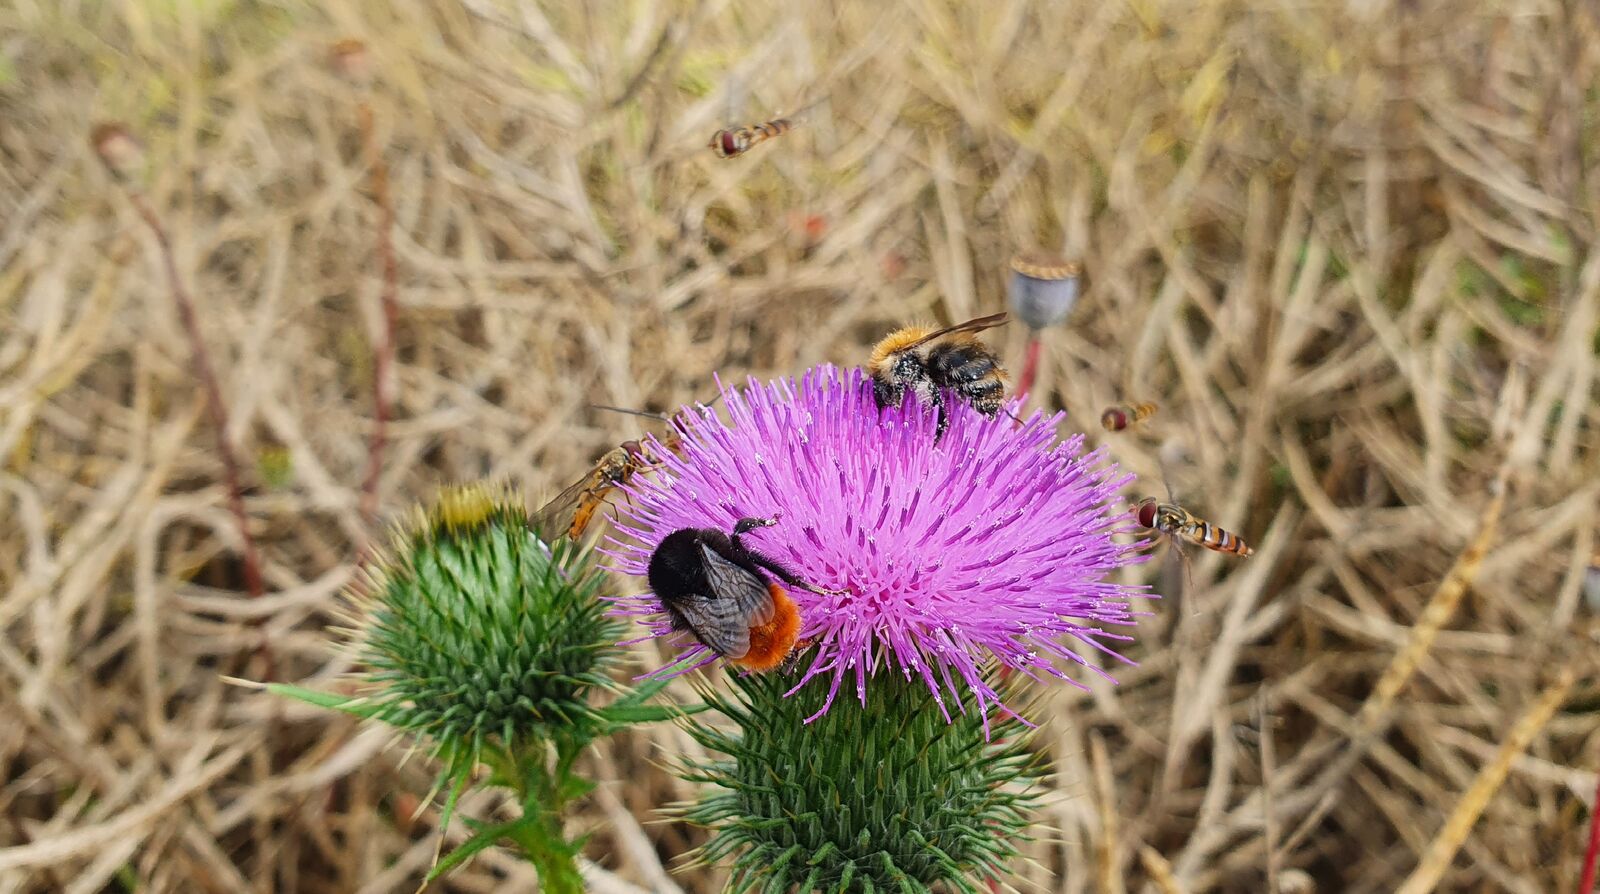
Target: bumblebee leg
(750,523)
(939,413)
(776,569)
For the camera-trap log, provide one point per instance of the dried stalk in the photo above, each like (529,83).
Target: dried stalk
(1436,859)
(115,145)
(383,348)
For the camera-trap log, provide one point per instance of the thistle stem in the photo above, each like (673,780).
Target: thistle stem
(542,845)
(543,791)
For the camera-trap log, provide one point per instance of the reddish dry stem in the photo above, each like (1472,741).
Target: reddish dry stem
(1591,857)
(215,408)
(383,349)
(1030,365)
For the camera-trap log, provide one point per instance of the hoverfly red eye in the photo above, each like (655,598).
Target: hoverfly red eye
(1146,514)
(729,146)
(1114,420)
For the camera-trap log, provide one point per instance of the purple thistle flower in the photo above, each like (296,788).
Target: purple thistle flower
(995,541)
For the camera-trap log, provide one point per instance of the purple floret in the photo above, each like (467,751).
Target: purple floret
(997,541)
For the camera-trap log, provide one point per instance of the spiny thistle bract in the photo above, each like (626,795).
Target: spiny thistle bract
(885,796)
(473,629)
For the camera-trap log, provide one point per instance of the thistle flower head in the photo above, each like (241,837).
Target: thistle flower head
(473,631)
(993,542)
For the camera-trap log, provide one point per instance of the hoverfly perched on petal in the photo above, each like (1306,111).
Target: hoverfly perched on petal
(585,496)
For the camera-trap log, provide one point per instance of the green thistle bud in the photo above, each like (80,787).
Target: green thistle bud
(486,644)
(475,632)
(886,796)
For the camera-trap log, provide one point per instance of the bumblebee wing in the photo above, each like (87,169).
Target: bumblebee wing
(974,325)
(744,591)
(716,622)
(555,516)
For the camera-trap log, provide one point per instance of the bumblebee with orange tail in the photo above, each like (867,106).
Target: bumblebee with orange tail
(923,361)
(1179,524)
(717,588)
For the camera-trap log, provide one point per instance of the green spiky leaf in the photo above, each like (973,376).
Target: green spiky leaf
(358,707)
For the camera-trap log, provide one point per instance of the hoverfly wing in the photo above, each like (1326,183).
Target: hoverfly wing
(557,514)
(716,622)
(746,593)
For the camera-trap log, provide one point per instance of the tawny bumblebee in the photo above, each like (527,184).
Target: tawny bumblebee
(925,361)
(585,496)
(718,589)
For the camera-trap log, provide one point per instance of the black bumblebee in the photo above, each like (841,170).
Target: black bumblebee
(954,358)
(715,587)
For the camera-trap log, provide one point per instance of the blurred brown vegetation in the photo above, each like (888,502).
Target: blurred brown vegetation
(1350,248)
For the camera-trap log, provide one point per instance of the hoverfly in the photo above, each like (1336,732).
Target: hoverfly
(735,141)
(1180,524)
(1119,418)
(585,496)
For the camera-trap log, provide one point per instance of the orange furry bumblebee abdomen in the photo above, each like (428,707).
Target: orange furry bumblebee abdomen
(771,643)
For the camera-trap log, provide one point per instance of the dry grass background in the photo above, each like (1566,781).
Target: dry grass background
(1349,246)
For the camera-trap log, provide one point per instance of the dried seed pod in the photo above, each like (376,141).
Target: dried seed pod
(350,60)
(118,150)
(1043,288)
